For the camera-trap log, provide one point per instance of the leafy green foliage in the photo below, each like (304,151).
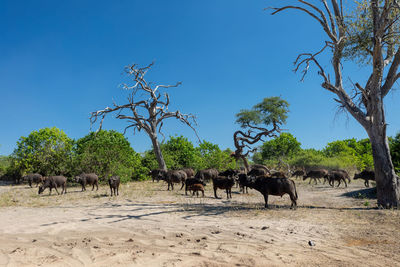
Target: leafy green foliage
(272,110)
(5,163)
(395,151)
(359,30)
(211,156)
(358,152)
(47,151)
(108,153)
(347,154)
(285,145)
(180,153)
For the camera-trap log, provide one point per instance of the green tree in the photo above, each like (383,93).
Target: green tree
(211,156)
(283,146)
(108,153)
(395,151)
(271,112)
(47,151)
(179,153)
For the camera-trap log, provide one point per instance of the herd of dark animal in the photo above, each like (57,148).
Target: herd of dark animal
(84,179)
(259,178)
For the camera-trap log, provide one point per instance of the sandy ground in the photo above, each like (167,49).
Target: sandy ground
(149,226)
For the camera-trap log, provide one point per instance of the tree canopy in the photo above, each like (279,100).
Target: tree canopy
(47,151)
(108,153)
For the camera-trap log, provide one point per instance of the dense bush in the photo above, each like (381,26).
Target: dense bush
(108,153)
(347,154)
(395,151)
(47,151)
(180,153)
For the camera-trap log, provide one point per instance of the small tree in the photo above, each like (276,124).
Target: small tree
(148,111)
(271,112)
(285,145)
(108,153)
(47,151)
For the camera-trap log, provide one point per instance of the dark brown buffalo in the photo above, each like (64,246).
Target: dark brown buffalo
(316,174)
(206,175)
(189,172)
(223,183)
(257,172)
(88,179)
(336,176)
(54,182)
(113,182)
(157,174)
(196,188)
(175,177)
(191,181)
(346,175)
(33,178)
(229,173)
(299,173)
(366,176)
(271,186)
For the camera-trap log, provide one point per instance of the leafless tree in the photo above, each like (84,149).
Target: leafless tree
(366,106)
(146,112)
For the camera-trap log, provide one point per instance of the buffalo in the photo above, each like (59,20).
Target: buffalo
(54,182)
(196,188)
(271,186)
(316,174)
(157,174)
(88,179)
(223,183)
(206,175)
(189,172)
(113,182)
(172,177)
(366,176)
(192,181)
(298,173)
(336,176)
(33,178)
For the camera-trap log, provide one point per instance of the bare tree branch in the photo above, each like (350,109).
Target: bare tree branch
(148,114)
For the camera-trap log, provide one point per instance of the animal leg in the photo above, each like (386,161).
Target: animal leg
(266,200)
(293,199)
(183,184)
(344,180)
(215,192)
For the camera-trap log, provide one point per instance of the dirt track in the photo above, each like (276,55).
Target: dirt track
(149,226)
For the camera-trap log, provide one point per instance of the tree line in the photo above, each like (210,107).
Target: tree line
(350,154)
(49,151)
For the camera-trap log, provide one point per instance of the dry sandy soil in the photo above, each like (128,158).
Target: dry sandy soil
(149,226)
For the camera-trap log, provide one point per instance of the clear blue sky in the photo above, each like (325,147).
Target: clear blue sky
(60,60)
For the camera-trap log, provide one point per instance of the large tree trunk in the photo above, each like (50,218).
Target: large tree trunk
(387,182)
(157,152)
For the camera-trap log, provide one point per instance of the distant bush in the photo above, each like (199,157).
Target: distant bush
(108,153)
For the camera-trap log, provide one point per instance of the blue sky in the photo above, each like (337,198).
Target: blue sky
(60,60)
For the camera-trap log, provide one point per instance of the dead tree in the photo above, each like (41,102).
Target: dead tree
(375,34)
(147,111)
